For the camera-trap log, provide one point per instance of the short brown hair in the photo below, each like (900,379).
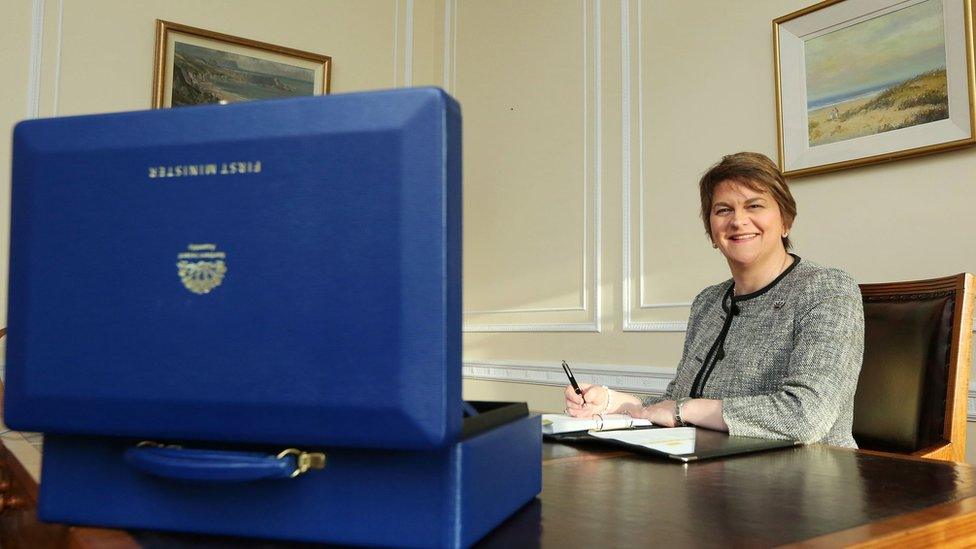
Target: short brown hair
(757,172)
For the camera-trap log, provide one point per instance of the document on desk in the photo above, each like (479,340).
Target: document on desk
(686,443)
(554,424)
(639,435)
(671,441)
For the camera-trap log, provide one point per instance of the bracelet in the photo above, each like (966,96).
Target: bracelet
(677,411)
(606,407)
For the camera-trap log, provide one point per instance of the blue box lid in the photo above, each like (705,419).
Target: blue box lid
(283,272)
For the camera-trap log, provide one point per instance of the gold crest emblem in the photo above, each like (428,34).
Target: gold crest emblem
(201,267)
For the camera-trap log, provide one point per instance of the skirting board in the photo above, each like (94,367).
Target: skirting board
(648,380)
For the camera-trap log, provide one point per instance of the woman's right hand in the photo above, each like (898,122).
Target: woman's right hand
(596,400)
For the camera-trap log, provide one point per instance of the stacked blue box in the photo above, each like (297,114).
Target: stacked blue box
(246,320)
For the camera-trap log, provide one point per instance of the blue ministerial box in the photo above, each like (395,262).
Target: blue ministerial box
(246,320)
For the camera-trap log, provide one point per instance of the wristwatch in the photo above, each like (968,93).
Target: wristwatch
(677,411)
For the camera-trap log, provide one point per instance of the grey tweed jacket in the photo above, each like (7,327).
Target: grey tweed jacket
(792,355)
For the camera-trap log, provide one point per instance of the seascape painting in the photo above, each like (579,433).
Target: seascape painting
(203,76)
(878,75)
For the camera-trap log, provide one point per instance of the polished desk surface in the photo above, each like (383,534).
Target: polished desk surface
(594,496)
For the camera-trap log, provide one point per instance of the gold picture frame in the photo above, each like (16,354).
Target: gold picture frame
(846,97)
(196,66)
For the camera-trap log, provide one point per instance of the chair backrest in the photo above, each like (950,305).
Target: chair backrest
(912,393)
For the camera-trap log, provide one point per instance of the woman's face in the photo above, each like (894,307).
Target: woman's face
(746,225)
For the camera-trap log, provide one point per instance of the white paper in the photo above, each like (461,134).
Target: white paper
(675,440)
(553,424)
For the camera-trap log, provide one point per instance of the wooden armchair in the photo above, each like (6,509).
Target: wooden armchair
(912,393)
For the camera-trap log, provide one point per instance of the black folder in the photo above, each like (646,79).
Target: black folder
(708,444)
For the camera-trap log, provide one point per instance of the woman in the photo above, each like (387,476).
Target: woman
(774,352)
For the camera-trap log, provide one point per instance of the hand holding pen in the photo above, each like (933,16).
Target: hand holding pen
(583,399)
(572,381)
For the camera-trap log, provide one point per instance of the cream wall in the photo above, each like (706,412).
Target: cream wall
(586,123)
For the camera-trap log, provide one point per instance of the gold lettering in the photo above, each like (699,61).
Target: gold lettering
(257,166)
(152,172)
(210,169)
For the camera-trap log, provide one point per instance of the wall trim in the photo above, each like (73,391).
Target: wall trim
(408,53)
(626,171)
(57,61)
(590,297)
(651,380)
(554,327)
(657,326)
(448,53)
(533,310)
(396,42)
(407,44)
(626,162)
(628,184)
(34,66)
(640,379)
(598,167)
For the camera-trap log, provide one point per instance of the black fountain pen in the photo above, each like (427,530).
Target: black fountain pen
(572,381)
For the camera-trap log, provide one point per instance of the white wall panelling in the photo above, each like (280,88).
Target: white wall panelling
(590,288)
(630,48)
(547,319)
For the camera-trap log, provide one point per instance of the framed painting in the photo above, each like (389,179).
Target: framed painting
(866,81)
(197,66)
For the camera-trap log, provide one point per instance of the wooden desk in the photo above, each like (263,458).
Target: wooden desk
(813,496)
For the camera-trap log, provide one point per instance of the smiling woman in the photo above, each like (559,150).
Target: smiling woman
(748,210)
(773,352)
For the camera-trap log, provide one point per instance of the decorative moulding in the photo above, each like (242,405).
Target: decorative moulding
(650,380)
(632,114)
(640,379)
(592,111)
(558,327)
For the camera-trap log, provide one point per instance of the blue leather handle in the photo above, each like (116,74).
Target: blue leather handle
(209,465)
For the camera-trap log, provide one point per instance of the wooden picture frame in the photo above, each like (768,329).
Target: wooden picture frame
(865,81)
(196,66)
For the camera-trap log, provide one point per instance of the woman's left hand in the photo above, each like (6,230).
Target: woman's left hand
(661,413)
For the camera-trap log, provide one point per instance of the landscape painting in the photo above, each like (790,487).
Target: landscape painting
(198,67)
(878,75)
(204,75)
